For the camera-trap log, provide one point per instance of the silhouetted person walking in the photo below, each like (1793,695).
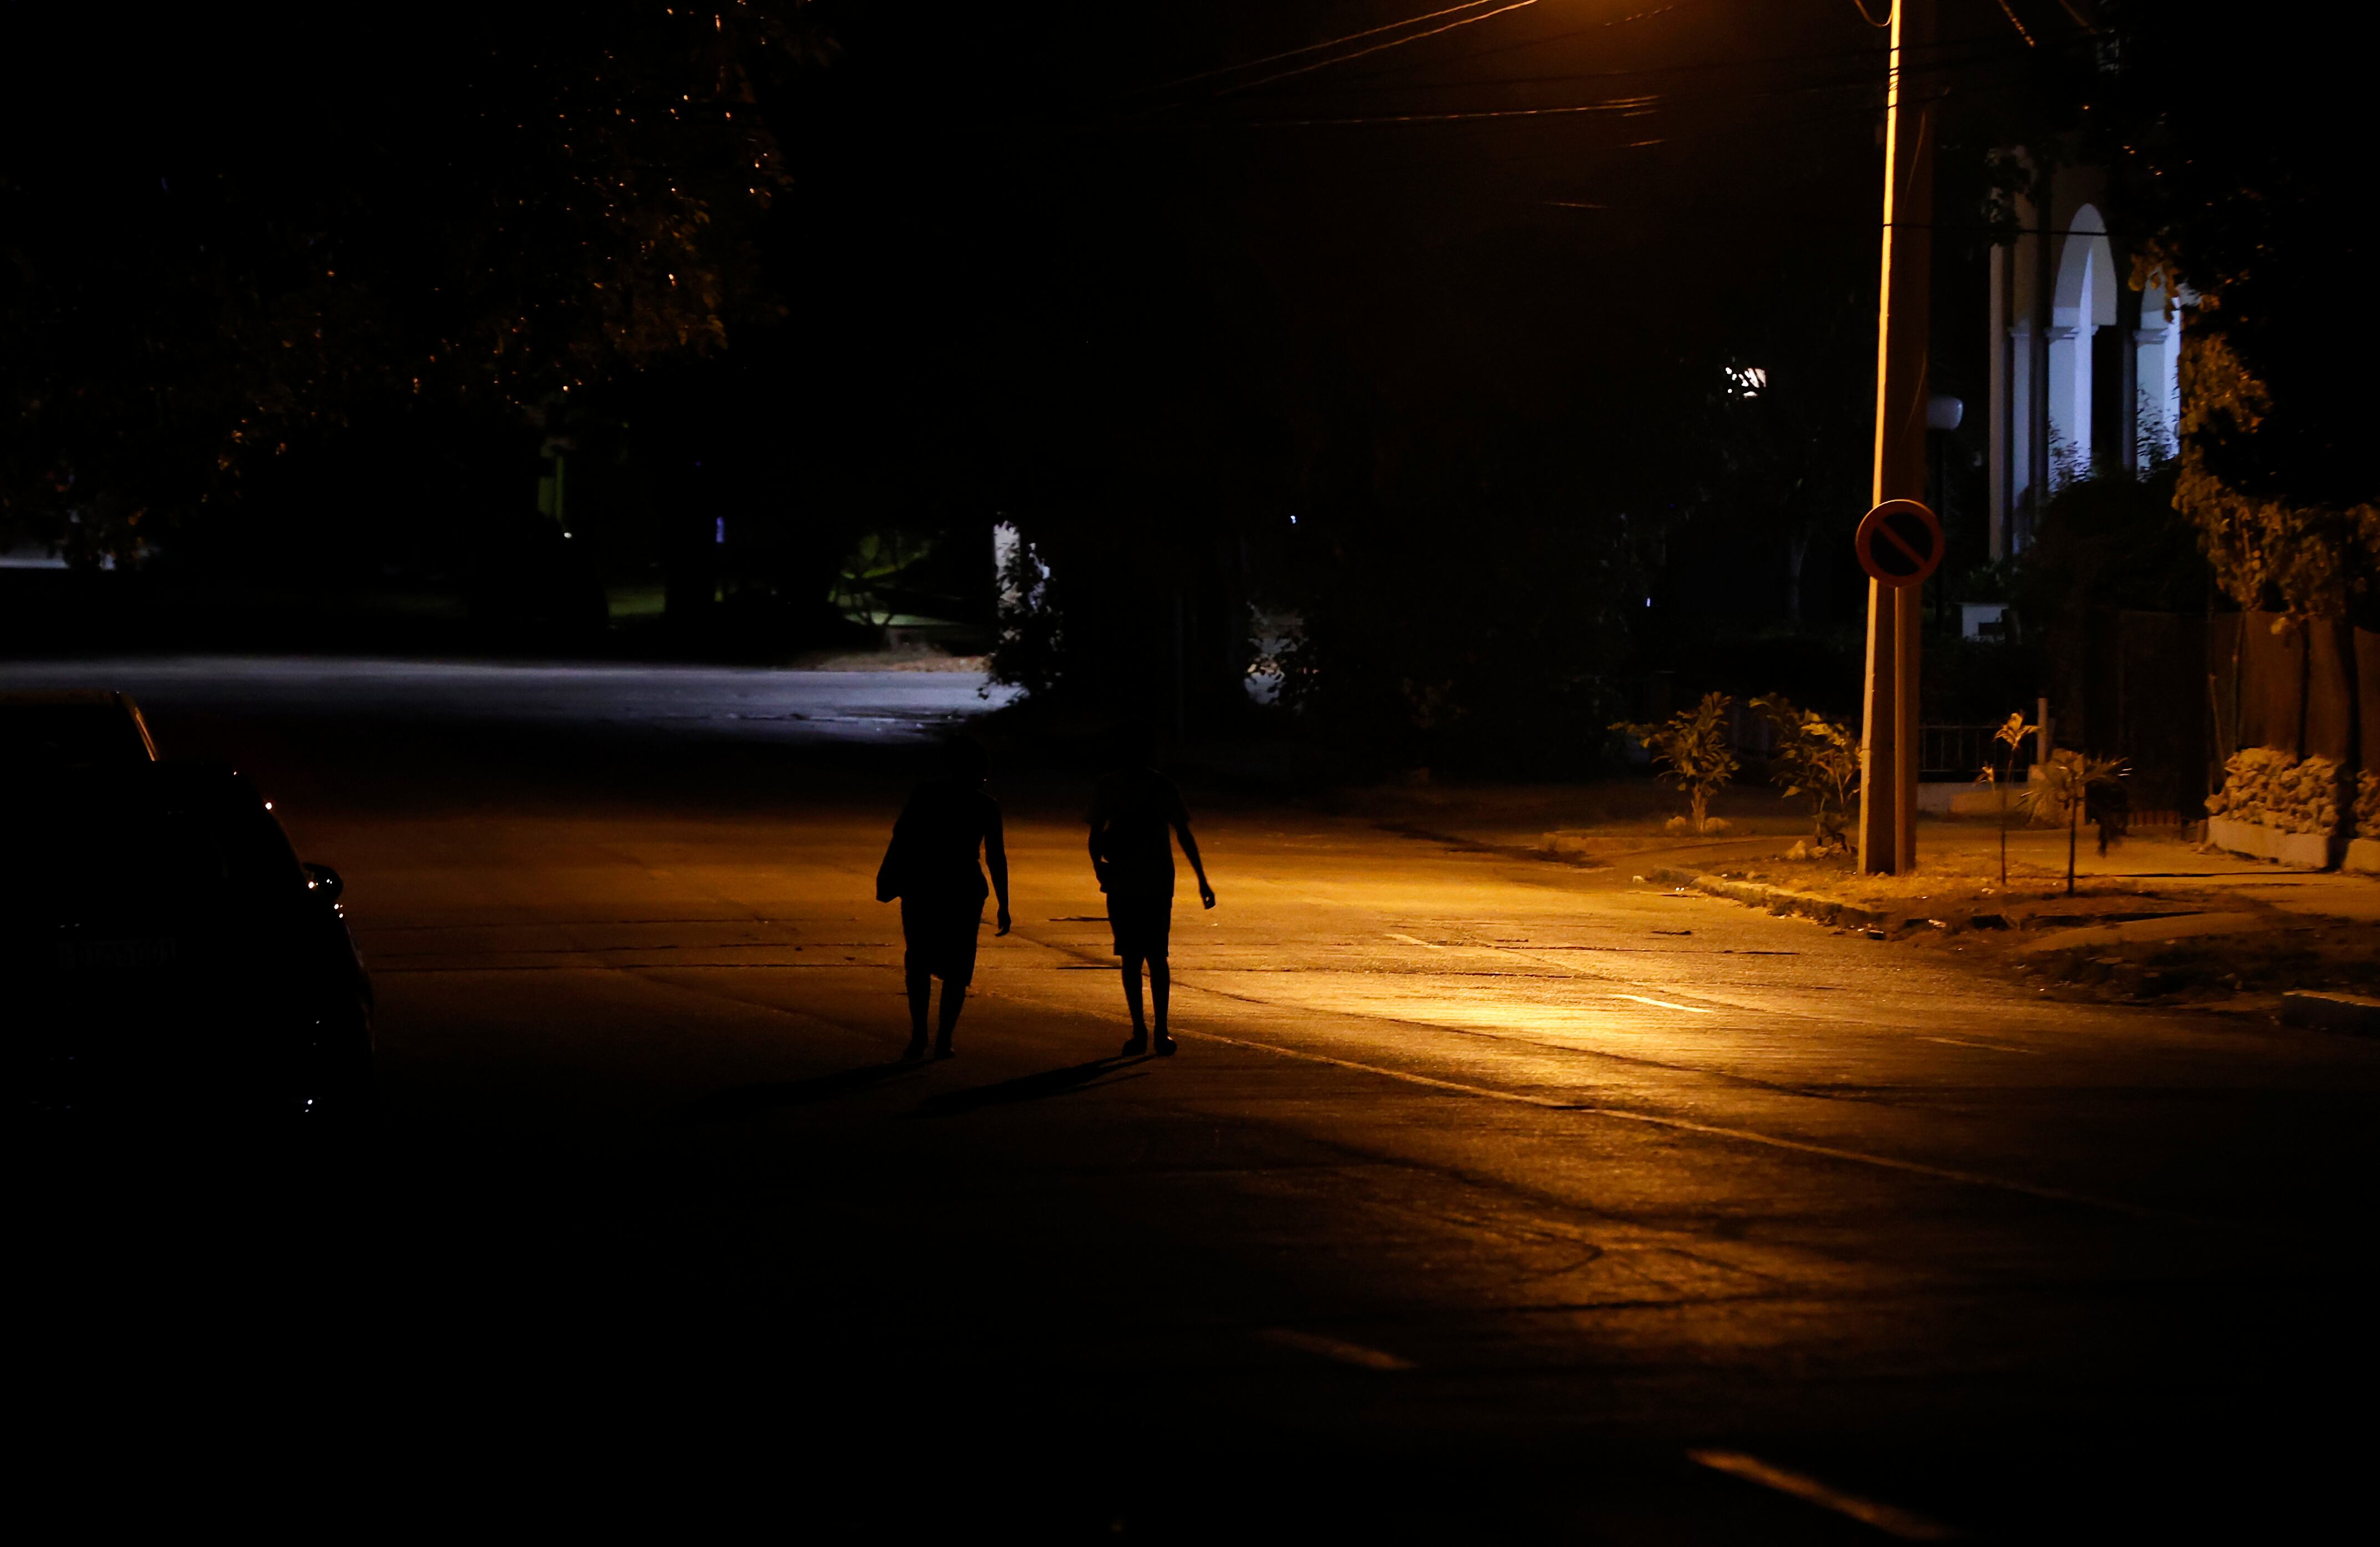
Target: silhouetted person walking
(930,866)
(1134,818)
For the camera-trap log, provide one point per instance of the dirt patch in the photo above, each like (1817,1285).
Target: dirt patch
(2236,971)
(2137,940)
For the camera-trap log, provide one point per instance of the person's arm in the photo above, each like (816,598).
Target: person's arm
(1190,852)
(888,879)
(1098,837)
(995,854)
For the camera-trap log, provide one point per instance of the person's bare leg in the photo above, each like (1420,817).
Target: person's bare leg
(921,988)
(1139,1041)
(953,1000)
(1160,985)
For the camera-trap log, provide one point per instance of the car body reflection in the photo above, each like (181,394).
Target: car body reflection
(165,953)
(73,729)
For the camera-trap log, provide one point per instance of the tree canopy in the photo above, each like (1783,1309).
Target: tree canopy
(2240,141)
(245,230)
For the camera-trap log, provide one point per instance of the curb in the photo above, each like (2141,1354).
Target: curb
(1781,902)
(2331,1012)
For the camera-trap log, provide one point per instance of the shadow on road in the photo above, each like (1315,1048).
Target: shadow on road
(1029,1087)
(744,1101)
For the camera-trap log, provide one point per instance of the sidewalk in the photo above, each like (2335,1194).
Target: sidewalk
(1624,822)
(2152,918)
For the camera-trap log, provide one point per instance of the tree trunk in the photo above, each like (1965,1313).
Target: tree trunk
(2008,767)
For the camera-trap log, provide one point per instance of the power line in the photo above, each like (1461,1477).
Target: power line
(1574,33)
(1396,26)
(1309,48)
(1626,106)
(1936,55)
(1393,42)
(1617,104)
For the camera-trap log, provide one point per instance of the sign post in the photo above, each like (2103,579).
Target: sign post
(1900,545)
(1888,762)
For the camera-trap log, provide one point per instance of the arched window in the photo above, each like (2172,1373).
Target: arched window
(2082,301)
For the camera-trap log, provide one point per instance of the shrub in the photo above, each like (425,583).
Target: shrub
(1816,758)
(1693,751)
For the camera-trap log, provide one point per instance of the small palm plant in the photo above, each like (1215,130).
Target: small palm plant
(1816,758)
(2010,737)
(1694,751)
(2069,782)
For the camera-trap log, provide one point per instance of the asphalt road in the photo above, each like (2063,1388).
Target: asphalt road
(1486,1198)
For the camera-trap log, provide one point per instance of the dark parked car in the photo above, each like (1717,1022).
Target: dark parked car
(165,953)
(75,730)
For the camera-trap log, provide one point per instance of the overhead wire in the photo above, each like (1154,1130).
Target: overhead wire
(1375,48)
(1520,44)
(1309,48)
(1376,80)
(1936,54)
(1642,104)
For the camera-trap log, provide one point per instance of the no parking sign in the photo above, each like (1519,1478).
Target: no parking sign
(1899,543)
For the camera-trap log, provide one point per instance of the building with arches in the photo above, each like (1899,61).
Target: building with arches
(2084,368)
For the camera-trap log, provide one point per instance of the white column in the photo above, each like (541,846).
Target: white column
(2069,404)
(2021,400)
(2157,405)
(1996,451)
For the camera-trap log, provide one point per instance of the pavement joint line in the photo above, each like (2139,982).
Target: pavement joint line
(1892,1520)
(1593,976)
(1568,971)
(1665,1004)
(1335,1348)
(1524,1039)
(1686,1125)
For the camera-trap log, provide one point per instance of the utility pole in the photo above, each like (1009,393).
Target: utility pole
(1888,764)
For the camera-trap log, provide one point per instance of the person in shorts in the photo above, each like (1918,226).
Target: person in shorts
(1134,818)
(930,866)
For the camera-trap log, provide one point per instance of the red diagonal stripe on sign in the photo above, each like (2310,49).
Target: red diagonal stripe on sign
(1884,529)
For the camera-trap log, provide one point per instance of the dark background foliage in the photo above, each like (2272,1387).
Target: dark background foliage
(2243,140)
(300,295)
(309,268)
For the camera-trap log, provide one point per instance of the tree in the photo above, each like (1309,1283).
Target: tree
(266,236)
(1694,752)
(1816,758)
(2226,132)
(2269,550)
(2073,784)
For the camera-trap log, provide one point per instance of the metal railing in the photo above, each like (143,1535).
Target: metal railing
(1961,751)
